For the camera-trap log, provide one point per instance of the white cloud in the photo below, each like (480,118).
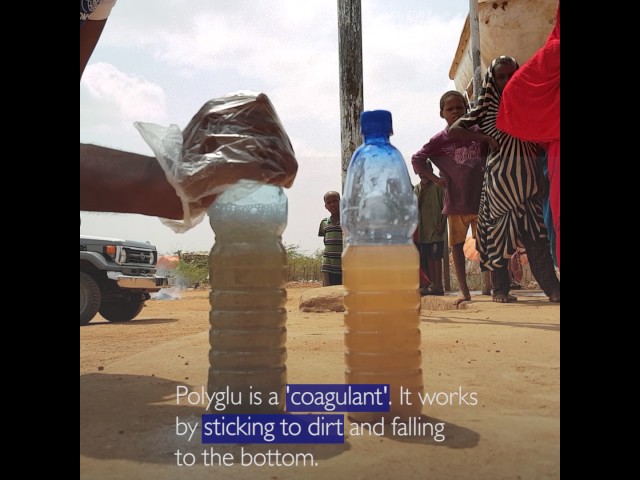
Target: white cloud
(131,96)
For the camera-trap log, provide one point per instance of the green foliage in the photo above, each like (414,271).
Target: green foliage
(193,270)
(303,266)
(194,267)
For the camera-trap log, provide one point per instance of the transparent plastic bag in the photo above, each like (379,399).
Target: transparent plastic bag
(232,138)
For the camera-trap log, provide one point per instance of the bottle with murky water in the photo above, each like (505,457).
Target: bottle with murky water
(248,271)
(380,268)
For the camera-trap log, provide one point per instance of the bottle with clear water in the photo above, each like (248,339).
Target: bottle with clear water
(248,271)
(380,266)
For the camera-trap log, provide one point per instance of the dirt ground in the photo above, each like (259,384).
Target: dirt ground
(508,355)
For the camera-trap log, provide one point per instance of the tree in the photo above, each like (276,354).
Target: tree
(194,269)
(301,265)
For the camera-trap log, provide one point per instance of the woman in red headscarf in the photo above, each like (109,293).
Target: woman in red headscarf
(530,110)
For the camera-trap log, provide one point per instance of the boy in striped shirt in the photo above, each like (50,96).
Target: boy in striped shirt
(331,230)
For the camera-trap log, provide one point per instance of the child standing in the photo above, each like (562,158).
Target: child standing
(430,232)
(331,230)
(510,212)
(461,165)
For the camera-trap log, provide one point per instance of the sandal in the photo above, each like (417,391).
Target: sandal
(504,298)
(433,291)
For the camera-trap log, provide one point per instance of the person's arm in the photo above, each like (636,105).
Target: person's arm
(321,228)
(434,178)
(89,35)
(461,130)
(116,181)
(419,163)
(420,159)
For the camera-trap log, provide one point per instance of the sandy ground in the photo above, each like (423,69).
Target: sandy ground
(508,355)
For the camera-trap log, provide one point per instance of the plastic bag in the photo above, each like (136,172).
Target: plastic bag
(231,138)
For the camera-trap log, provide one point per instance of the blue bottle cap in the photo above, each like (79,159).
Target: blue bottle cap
(376,122)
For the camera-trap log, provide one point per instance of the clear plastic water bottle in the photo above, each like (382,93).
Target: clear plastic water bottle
(248,271)
(380,266)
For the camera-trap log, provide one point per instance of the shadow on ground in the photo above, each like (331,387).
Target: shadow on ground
(133,323)
(128,417)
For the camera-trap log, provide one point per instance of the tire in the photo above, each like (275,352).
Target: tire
(122,310)
(90,298)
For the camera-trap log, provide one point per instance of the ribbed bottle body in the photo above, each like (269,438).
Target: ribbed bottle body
(382,320)
(248,272)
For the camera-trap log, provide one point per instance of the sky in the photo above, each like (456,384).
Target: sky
(159,62)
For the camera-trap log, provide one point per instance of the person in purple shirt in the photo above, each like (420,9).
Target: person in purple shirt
(461,165)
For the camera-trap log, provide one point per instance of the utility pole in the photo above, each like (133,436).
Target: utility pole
(351,96)
(474,34)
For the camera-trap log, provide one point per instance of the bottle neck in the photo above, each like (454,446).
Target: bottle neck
(376,138)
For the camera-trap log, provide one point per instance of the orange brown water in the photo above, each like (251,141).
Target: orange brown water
(382,319)
(248,322)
